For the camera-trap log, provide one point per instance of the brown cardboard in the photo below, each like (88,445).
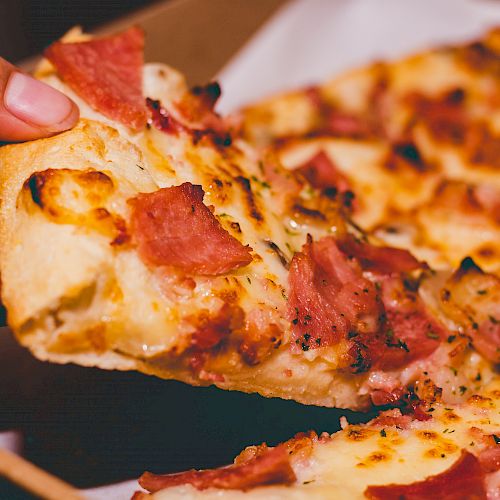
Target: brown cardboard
(195,36)
(198,36)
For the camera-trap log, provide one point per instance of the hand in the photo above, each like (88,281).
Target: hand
(30,109)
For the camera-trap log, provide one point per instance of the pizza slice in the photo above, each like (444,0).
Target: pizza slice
(416,141)
(442,451)
(151,237)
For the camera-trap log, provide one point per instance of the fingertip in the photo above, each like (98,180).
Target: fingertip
(68,122)
(35,102)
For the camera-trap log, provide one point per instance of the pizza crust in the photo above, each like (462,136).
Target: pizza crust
(57,314)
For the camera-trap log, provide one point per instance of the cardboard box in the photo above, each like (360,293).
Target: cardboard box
(196,37)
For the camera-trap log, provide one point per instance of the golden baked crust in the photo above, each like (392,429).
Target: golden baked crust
(46,258)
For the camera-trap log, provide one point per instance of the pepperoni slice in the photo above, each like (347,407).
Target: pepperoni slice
(384,260)
(270,467)
(490,458)
(463,480)
(106,73)
(173,227)
(413,335)
(329,297)
(408,333)
(321,173)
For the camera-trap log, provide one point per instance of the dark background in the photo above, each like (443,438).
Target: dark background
(27,26)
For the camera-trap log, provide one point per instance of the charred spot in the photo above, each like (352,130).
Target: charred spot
(277,250)
(209,93)
(95,185)
(331,192)
(153,104)
(35,184)
(455,96)
(254,211)
(359,433)
(224,140)
(480,57)
(235,226)
(359,352)
(123,237)
(412,285)
(348,198)
(217,139)
(478,47)
(197,135)
(409,152)
(308,212)
(101,213)
(467,266)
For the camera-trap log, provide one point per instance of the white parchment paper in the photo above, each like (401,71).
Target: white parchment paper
(308,41)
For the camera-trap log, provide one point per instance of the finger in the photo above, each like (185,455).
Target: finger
(30,109)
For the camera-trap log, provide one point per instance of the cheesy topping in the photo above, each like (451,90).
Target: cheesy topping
(417,139)
(381,452)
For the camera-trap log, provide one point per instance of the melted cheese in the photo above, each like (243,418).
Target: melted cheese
(401,203)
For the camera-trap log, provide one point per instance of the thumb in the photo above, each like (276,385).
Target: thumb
(30,109)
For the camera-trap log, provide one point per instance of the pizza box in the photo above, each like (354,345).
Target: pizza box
(97,429)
